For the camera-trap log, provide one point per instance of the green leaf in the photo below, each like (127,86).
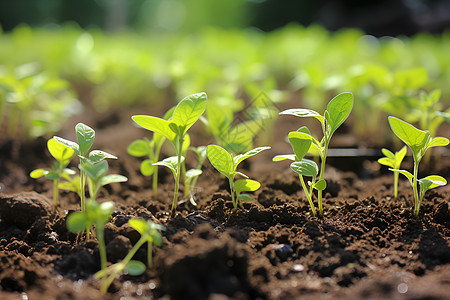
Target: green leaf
(220,159)
(186,143)
(301,112)
(414,138)
(140,225)
(388,153)
(192,173)
(111,178)
(246,185)
(135,267)
(38,173)
(245,197)
(400,155)
(405,173)
(189,110)
(338,110)
(170,162)
(155,124)
(59,151)
(219,119)
(320,185)
(387,162)
(139,148)
(95,171)
(78,221)
(284,157)
(85,137)
(239,158)
(99,155)
(305,168)
(67,143)
(147,168)
(437,141)
(431,182)
(52,176)
(300,142)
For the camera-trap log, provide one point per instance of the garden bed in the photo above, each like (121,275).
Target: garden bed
(368,244)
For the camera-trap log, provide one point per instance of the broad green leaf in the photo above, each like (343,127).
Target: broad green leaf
(95,171)
(305,168)
(111,178)
(135,267)
(139,148)
(338,110)
(400,155)
(386,162)
(170,162)
(437,141)
(59,151)
(431,182)
(388,153)
(72,145)
(189,110)
(239,158)
(245,197)
(78,221)
(99,155)
(301,112)
(246,185)
(300,142)
(38,173)
(405,173)
(320,185)
(147,168)
(85,137)
(140,225)
(192,173)
(155,124)
(284,157)
(416,139)
(220,159)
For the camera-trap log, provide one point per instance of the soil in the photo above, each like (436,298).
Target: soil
(368,245)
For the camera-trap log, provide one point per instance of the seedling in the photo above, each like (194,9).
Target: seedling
(150,235)
(301,143)
(85,138)
(186,113)
(63,156)
(394,161)
(193,174)
(151,149)
(419,142)
(337,112)
(226,163)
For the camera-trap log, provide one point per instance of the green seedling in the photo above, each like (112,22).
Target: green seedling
(96,214)
(394,161)
(301,143)
(226,163)
(151,149)
(150,235)
(193,174)
(85,139)
(337,112)
(63,156)
(419,142)
(186,113)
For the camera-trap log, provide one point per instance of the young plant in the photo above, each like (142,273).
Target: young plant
(337,112)
(419,142)
(85,139)
(301,143)
(186,113)
(394,161)
(63,156)
(96,214)
(150,235)
(193,174)
(226,163)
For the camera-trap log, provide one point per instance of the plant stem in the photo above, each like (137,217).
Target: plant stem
(82,186)
(323,157)
(101,245)
(416,190)
(177,179)
(396,184)
(308,196)
(55,193)
(230,179)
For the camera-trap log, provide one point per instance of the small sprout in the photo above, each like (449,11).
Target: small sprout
(419,142)
(226,163)
(337,112)
(193,174)
(394,161)
(186,113)
(63,156)
(150,235)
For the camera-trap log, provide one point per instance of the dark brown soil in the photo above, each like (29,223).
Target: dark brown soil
(367,246)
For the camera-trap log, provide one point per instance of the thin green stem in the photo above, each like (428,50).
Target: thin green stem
(55,193)
(323,158)
(82,191)
(101,245)
(177,179)
(415,187)
(396,184)
(230,179)
(308,195)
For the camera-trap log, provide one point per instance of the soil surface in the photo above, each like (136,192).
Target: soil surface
(368,245)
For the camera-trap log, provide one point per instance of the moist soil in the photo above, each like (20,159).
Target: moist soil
(368,245)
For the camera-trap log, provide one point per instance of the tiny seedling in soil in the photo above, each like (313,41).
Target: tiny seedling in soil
(63,156)
(186,113)
(226,163)
(150,235)
(419,142)
(394,161)
(337,112)
(85,139)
